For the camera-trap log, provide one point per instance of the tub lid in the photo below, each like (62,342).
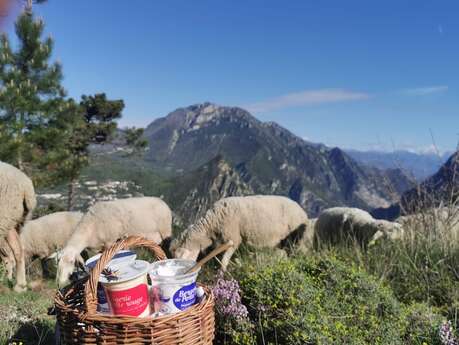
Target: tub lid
(172,269)
(115,273)
(121,256)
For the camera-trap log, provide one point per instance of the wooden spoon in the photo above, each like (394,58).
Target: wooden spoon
(209,256)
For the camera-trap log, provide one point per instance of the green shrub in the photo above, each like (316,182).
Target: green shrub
(420,325)
(419,270)
(24,318)
(325,300)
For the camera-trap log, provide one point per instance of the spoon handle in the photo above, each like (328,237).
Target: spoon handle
(209,256)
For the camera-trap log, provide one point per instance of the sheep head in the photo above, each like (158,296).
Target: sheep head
(180,251)
(190,243)
(386,229)
(65,268)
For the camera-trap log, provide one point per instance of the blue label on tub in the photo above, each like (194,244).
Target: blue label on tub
(185,297)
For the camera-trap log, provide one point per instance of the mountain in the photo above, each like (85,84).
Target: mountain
(205,143)
(197,191)
(420,165)
(442,188)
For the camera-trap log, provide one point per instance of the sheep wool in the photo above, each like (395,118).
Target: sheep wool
(35,236)
(339,224)
(107,221)
(17,201)
(260,221)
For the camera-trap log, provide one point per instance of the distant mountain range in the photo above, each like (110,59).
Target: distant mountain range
(442,188)
(201,153)
(419,165)
(212,151)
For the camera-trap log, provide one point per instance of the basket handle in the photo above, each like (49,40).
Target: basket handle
(90,289)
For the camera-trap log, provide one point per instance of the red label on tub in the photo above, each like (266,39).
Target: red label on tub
(131,302)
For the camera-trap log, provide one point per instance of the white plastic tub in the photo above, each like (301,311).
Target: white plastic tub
(120,258)
(172,290)
(126,288)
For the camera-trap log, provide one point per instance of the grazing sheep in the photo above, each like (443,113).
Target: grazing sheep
(44,236)
(443,221)
(17,201)
(340,224)
(391,230)
(107,221)
(36,239)
(260,221)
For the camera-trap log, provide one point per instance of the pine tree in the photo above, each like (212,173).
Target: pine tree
(135,140)
(30,92)
(71,133)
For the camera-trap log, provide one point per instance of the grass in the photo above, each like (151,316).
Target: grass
(420,271)
(24,317)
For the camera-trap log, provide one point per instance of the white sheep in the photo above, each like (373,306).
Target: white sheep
(260,221)
(36,239)
(442,221)
(340,224)
(17,201)
(107,221)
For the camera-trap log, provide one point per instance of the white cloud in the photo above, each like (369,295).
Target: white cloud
(422,91)
(305,98)
(431,149)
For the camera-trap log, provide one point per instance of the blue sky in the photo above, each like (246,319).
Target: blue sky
(355,74)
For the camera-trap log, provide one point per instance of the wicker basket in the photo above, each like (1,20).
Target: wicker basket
(79,322)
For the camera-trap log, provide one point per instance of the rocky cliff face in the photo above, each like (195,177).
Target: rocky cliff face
(440,188)
(220,151)
(197,191)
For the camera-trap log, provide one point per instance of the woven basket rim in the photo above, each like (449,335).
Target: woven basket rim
(88,285)
(60,304)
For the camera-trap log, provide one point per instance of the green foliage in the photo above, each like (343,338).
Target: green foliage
(420,325)
(75,128)
(100,115)
(325,300)
(30,91)
(135,140)
(421,269)
(231,331)
(24,318)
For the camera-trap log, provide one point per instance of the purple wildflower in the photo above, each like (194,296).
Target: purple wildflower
(228,298)
(447,336)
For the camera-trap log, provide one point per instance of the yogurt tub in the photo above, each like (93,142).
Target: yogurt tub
(121,257)
(172,290)
(126,288)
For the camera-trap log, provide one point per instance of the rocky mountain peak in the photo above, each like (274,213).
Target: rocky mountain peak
(261,157)
(215,180)
(201,115)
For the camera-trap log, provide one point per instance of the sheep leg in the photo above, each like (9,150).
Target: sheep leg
(8,258)
(227,256)
(10,264)
(13,240)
